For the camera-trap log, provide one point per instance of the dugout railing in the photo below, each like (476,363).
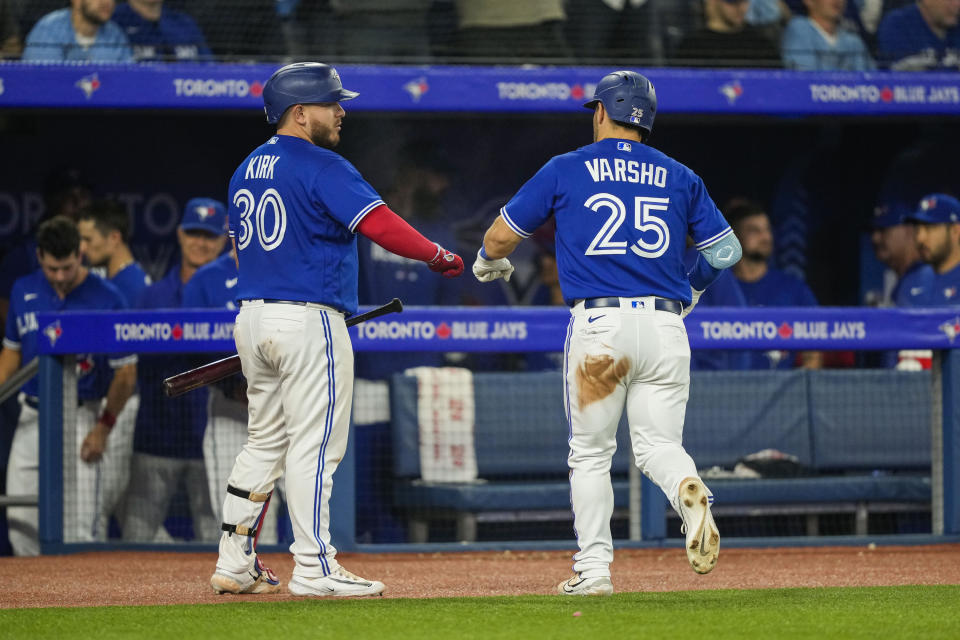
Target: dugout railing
(816,415)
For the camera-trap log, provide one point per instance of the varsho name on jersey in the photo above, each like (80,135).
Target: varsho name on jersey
(626,171)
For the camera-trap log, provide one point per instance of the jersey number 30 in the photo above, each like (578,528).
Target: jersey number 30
(270,203)
(644,219)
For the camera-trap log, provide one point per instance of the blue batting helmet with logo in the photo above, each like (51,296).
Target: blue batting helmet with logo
(302,83)
(628,97)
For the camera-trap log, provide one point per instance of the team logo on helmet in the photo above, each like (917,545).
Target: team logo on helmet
(928,203)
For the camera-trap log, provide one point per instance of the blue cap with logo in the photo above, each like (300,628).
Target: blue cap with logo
(205,214)
(889,213)
(937,208)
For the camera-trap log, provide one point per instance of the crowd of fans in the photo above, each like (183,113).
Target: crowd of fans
(822,35)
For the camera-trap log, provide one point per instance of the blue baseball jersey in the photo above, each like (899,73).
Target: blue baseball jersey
(623,212)
(927,288)
(776,289)
(33,294)
(905,41)
(168,427)
(294,211)
(213,285)
(175,36)
(131,281)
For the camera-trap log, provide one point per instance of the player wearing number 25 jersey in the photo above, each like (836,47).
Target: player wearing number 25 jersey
(623,212)
(295,206)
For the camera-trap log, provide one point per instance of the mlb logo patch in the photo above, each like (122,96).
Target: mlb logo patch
(634,119)
(624,146)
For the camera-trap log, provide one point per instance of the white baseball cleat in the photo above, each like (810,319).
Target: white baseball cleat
(703,539)
(340,583)
(577,585)
(260,579)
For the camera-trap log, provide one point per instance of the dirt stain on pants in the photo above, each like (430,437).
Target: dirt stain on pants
(598,377)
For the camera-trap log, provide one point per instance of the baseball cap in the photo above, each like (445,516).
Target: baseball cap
(937,208)
(889,214)
(205,214)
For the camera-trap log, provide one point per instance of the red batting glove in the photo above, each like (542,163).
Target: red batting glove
(447,263)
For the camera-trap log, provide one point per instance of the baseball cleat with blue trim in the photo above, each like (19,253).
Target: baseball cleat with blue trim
(703,538)
(340,583)
(577,585)
(259,579)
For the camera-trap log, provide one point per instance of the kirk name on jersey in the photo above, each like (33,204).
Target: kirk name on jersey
(626,171)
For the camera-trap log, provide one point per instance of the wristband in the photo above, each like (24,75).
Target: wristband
(107,419)
(483,252)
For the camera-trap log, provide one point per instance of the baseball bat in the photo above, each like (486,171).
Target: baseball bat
(218,370)
(18,379)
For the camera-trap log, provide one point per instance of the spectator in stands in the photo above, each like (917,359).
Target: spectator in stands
(11,44)
(726,40)
(81,33)
(894,244)
(937,227)
(159,33)
(615,30)
(820,42)
(168,439)
(764,285)
(769,17)
(921,36)
(511,29)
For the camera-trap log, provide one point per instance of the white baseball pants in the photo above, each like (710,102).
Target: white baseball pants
(633,356)
(298,362)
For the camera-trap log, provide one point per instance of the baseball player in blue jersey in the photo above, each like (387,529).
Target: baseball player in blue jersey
(104,227)
(295,206)
(623,211)
(168,438)
(937,230)
(215,286)
(61,284)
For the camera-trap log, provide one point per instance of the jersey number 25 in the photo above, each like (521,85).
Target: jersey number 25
(644,219)
(270,200)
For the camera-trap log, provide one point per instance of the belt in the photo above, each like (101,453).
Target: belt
(299,303)
(660,304)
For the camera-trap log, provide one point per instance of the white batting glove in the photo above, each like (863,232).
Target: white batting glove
(490,270)
(695,298)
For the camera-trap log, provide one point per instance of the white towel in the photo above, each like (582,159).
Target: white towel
(445,413)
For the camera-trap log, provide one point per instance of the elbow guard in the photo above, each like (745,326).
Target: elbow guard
(724,253)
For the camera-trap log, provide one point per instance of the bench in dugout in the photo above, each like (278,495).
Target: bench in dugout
(863,435)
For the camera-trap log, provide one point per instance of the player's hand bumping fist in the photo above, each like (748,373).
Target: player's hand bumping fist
(489,270)
(446,263)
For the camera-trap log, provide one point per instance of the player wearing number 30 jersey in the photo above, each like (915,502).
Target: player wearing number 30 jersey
(295,206)
(623,212)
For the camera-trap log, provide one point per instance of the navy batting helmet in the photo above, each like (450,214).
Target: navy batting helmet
(302,83)
(628,97)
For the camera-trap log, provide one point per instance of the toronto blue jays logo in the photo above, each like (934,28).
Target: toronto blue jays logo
(928,203)
(204,212)
(53,332)
(732,91)
(416,88)
(951,328)
(88,84)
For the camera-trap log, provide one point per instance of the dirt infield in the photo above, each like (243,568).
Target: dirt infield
(140,578)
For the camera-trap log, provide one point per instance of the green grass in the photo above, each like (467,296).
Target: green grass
(870,612)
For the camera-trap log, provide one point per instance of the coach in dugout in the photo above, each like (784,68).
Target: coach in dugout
(168,439)
(62,284)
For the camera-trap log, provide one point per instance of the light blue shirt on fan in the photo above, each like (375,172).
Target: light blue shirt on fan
(806,47)
(53,39)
